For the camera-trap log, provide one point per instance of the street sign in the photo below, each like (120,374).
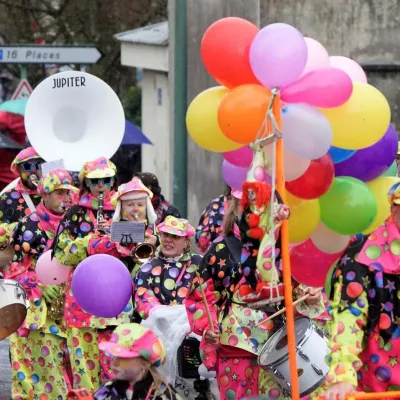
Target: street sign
(23,90)
(31,54)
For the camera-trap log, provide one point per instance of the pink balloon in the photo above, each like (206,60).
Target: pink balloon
(51,271)
(278,55)
(233,176)
(241,157)
(352,69)
(325,87)
(318,57)
(309,265)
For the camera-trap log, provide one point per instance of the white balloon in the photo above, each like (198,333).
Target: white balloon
(318,57)
(293,165)
(306,131)
(329,241)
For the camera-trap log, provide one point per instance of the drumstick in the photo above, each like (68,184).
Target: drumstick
(208,312)
(284,309)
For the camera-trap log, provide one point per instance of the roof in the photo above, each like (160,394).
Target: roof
(156,35)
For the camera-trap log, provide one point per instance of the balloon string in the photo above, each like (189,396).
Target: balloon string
(270,127)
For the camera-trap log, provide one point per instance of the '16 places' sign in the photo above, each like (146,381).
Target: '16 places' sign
(49,54)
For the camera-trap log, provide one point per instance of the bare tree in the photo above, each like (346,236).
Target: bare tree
(79,22)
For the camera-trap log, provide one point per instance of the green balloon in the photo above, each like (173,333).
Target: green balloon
(392,171)
(349,206)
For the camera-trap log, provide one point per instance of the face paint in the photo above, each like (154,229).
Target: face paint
(57,201)
(129,369)
(134,210)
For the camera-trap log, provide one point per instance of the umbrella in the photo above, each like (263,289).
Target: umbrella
(14,106)
(134,135)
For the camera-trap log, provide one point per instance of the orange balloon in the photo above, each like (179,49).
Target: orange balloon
(242,112)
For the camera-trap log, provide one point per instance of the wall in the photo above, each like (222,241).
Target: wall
(155,123)
(204,168)
(364,30)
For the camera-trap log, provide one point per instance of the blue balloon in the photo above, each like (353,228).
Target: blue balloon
(338,155)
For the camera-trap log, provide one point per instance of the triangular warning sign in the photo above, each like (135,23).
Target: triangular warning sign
(23,91)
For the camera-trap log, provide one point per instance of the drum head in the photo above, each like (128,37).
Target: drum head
(276,347)
(11,318)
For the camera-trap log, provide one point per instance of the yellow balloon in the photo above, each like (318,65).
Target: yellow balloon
(361,121)
(380,187)
(304,217)
(202,121)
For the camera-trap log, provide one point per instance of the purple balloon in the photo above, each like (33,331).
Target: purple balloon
(278,55)
(234,176)
(102,285)
(371,162)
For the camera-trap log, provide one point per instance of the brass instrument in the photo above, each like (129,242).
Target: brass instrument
(55,310)
(144,252)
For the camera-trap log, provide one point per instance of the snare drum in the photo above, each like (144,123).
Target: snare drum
(13,307)
(312,348)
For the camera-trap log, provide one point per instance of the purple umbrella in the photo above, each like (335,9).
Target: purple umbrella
(371,162)
(134,135)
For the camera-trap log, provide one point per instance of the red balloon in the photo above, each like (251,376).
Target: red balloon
(309,265)
(225,51)
(315,181)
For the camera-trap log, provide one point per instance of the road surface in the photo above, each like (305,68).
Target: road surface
(5,372)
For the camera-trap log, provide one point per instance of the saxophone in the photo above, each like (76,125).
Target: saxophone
(55,310)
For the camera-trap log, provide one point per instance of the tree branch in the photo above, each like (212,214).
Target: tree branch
(21,7)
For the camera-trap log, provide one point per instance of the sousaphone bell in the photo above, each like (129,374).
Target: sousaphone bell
(75,117)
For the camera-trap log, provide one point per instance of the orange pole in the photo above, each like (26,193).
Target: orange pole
(287,276)
(382,395)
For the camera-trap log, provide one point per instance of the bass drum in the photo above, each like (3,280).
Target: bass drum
(13,307)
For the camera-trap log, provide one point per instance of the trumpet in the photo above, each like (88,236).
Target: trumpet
(144,252)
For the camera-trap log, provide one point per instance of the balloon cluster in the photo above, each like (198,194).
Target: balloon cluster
(339,148)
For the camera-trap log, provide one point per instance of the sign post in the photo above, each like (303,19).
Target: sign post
(23,90)
(39,54)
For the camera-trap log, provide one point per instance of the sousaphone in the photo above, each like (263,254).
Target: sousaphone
(75,117)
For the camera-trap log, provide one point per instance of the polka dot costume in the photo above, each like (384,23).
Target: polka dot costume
(164,282)
(210,223)
(365,311)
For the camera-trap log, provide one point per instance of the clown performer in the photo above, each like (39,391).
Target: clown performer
(136,352)
(21,201)
(76,232)
(232,345)
(166,280)
(132,203)
(365,311)
(161,206)
(210,222)
(41,341)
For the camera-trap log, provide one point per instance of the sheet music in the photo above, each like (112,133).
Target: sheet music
(52,166)
(127,232)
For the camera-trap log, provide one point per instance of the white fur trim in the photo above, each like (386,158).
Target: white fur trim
(117,212)
(151,214)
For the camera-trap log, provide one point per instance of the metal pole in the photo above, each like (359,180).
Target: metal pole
(180,106)
(23,72)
